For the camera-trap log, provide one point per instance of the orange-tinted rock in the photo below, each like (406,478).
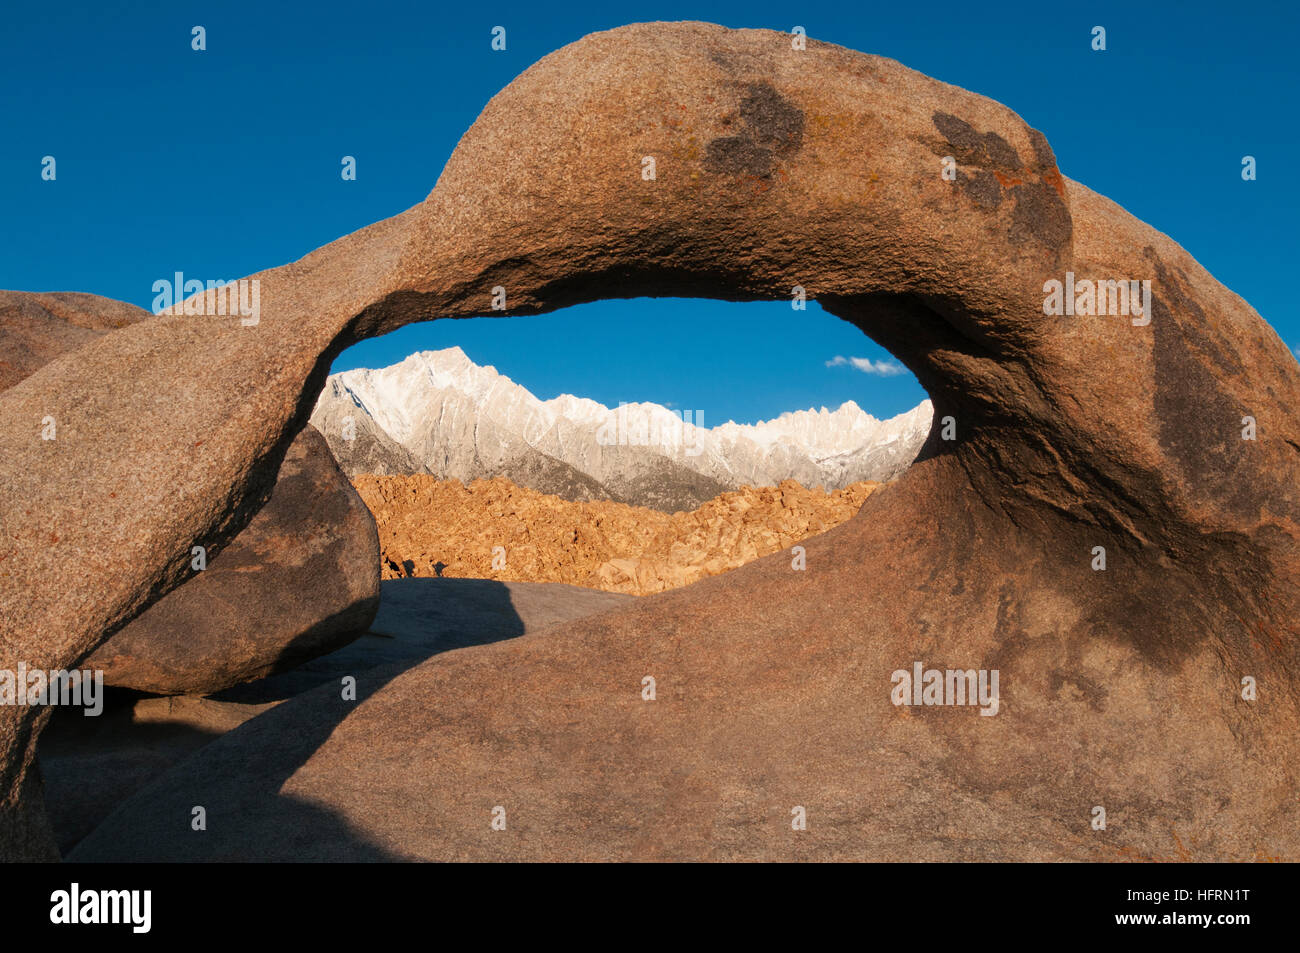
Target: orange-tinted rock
(429,527)
(823,167)
(299,581)
(37,328)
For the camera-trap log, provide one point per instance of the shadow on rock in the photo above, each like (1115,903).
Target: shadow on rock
(418,618)
(244,781)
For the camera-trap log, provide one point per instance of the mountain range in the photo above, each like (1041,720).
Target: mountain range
(437,412)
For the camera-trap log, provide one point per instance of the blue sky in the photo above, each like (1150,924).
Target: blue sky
(222,163)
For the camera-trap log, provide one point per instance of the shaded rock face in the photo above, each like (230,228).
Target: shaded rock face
(300,580)
(1120,688)
(90,766)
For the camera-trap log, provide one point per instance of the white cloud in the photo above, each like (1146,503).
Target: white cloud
(868,366)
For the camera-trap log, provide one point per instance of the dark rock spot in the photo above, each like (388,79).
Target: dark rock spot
(983,188)
(773,127)
(729,155)
(773,122)
(1040,214)
(1000,152)
(1043,153)
(971,148)
(1093,693)
(1199,419)
(1040,211)
(1167,286)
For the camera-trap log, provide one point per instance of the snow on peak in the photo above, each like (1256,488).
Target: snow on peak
(441,392)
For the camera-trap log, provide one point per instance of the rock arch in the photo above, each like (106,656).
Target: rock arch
(775,167)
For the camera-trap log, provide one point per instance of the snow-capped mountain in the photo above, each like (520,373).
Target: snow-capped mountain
(438,412)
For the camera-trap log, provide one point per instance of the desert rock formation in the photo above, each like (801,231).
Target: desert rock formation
(821,167)
(430,528)
(92,765)
(299,581)
(37,328)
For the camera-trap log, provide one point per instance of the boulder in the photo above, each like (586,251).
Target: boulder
(1058,438)
(37,328)
(301,580)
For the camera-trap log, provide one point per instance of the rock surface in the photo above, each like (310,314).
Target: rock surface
(430,528)
(37,328)
(777,167)
(299,581)
(92,765)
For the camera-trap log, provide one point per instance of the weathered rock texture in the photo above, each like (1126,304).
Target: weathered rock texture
(430,528)
(37,328)
(776,167)
(299,581)
(91,765)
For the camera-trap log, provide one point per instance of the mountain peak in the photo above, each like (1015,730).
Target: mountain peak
(463,420)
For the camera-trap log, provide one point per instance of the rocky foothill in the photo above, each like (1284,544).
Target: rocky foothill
(494,529)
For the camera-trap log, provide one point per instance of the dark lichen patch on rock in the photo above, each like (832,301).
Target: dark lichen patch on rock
(773,126)
(1199,423)
(1045,163)
(989,151)
(1196,331)
(1043,154)
(729,155)
(774,122)
(982,187)
(1040,214)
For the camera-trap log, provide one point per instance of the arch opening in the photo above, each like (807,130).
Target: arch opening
(656,440)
